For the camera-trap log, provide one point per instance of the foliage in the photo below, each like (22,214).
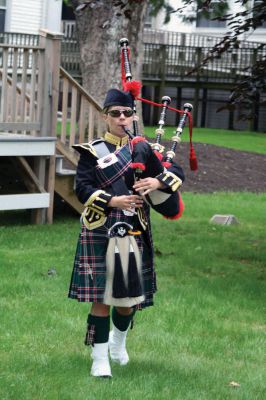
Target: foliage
(158,5)
(207,8)
(250,92)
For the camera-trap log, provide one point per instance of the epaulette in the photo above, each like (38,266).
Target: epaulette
(96,141)
(88,147)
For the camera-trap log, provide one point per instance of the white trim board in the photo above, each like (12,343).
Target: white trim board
(24,201)
(26,146)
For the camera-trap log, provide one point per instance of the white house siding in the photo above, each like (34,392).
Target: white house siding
(29,16)
(26,16)
(53,13)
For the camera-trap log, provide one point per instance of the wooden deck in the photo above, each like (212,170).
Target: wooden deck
(36,97)
(29,81)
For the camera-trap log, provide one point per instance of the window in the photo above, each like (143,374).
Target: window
(2,15)
(203,22)
(204,16)
(148,18)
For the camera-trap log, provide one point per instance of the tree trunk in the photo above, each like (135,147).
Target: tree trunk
(100,26)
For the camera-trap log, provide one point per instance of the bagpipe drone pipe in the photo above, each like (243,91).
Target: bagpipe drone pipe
(148,159)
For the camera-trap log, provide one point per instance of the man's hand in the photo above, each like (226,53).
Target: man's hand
(147,185)
(126,202)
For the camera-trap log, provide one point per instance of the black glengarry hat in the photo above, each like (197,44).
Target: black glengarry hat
(116,97)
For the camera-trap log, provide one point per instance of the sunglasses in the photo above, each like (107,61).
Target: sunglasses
(117,113)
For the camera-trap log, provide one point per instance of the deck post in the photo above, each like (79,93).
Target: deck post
(52,44)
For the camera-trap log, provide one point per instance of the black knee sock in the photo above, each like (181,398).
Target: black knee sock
(98,329)
(120,321)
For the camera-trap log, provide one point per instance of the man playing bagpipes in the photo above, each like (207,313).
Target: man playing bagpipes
(113,265)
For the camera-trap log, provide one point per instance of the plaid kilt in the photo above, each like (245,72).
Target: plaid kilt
(89,272)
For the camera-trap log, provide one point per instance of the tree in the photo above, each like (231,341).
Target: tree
(100,26)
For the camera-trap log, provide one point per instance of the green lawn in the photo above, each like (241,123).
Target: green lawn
(207,327)
(239,140)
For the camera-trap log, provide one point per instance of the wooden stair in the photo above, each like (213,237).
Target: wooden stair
(65,177)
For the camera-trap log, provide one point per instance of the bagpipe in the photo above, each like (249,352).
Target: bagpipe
(150,159)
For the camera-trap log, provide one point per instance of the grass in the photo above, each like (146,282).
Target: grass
(58,128)
(207,327)
(239,140)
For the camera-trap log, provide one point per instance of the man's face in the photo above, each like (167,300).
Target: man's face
(117,120)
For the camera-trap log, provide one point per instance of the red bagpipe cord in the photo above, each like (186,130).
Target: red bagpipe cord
(123,73)
(192,155)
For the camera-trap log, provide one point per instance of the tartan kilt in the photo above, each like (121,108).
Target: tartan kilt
(89,272)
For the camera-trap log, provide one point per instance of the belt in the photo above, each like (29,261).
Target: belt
(122,229)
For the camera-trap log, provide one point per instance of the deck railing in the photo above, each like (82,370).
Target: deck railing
(171,61)
(22,90)
(159,36)
(79,115)
(68,27)
(70,56)
(19,39)
(29,83)
(172,55)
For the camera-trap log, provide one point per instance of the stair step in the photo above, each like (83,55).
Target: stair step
(59,168)
(65,172)
(58,163)
(64,187)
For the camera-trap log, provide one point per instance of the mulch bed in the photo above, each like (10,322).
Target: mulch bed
(222,169)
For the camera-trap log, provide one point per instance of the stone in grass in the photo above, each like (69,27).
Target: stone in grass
(234,384)
(224,219)
(51,272)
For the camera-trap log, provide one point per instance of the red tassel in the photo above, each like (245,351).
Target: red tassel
(192,156)
(133,87)
(137,165)
(193,159)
